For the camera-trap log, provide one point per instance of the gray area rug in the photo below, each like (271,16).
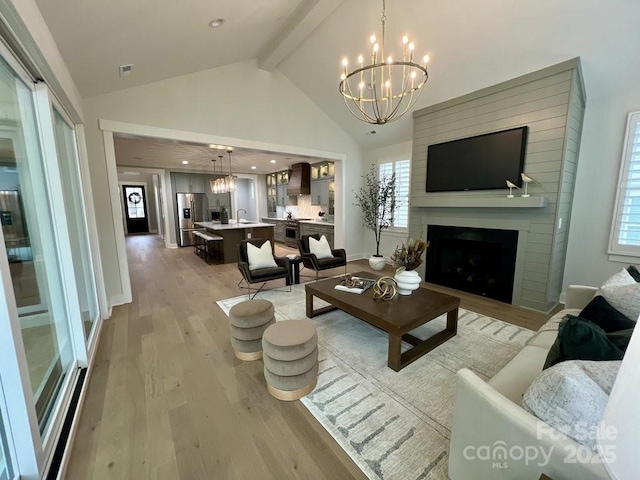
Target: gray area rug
(394,425)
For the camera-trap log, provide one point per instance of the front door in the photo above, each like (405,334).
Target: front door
(135,202)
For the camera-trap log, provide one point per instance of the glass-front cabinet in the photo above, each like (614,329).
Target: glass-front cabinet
(323,170)
(272,195)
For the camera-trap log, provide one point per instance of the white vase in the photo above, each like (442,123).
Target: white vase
(407,280)
(377,263)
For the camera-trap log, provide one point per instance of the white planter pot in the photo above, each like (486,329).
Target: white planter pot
(407,280)
(377,263)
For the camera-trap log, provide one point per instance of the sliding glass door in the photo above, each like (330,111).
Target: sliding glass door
(72,189)
(6,470)
(31,247)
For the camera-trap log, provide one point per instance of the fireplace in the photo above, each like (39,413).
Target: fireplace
(475,260)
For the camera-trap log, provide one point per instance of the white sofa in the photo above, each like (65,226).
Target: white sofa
(491,429)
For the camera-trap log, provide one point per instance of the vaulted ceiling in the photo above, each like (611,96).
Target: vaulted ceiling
(472,44)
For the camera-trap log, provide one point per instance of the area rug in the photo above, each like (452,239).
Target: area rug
(394,425)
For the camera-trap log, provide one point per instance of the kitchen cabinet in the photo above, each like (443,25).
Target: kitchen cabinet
(283,199)
(278,232)
(185,183)
(278,229)
(319,229)
(323,170)
(272,193)
(320,192)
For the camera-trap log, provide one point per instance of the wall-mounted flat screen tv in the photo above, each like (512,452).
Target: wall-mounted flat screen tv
(484,162)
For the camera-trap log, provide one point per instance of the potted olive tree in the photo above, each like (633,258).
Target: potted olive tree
(377,200)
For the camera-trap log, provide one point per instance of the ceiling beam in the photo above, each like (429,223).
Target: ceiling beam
(303,21)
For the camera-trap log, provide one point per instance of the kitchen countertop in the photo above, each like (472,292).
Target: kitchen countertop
(216,226)
(318,222)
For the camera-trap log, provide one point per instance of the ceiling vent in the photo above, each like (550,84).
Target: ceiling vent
(125,70)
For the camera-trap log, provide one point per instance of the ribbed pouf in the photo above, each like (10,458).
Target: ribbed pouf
(290,359)
(249,320)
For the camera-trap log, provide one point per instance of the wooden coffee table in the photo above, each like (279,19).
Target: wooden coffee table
(396,317)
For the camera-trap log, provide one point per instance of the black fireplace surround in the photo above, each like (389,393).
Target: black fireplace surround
(475,260)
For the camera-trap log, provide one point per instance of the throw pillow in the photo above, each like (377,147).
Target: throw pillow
(624,298)
(621,339)
(571,397)
(320,248)
(600,312)
(621,278)
(580,339)
(633,271)
(260,257)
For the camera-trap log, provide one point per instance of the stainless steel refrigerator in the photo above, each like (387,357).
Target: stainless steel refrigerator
(192,207)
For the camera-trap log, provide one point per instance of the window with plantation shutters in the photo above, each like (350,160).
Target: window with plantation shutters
(625,236)
(402,169)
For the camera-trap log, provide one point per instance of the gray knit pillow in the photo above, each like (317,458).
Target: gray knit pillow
(571,397)
(624,298)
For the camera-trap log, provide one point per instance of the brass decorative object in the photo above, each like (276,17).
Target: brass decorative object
(348,280)
(385,289)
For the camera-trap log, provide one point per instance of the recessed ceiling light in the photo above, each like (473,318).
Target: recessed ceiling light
(185,162)
(273,161)
(213,146)
(216,22)
(253,167)
(220,147)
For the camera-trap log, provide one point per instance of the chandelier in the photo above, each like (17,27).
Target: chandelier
(384,90)
(230,181)
(217,184)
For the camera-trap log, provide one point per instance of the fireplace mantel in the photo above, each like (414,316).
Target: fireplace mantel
(472,201)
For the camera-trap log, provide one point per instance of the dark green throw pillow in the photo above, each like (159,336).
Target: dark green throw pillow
(600,312)
(621,339)
(633,271)
(580,339)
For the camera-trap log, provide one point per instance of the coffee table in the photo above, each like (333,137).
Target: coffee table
(396,317)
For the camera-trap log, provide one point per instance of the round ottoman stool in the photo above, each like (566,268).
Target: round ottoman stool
(249,320)
(290,359)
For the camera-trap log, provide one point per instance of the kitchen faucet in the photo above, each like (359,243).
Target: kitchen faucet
(238,213)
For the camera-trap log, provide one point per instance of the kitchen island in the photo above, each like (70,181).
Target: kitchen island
(233,233)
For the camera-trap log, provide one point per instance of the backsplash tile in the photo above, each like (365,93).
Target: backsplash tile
(304,209)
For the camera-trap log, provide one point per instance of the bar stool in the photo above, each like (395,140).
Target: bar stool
(213,246)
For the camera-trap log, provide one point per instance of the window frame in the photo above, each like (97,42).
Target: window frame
(395,229)
(616,251)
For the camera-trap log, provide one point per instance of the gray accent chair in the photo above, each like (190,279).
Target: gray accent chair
(261,275)
(309,260)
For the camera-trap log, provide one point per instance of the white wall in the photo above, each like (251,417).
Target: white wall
(236,101)
(596,182)
(40,34)
(389,239)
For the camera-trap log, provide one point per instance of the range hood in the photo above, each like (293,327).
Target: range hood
(300,179)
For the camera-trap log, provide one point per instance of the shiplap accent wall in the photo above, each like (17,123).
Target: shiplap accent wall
(551,102)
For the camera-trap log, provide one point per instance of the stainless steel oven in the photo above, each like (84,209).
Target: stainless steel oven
(291,234)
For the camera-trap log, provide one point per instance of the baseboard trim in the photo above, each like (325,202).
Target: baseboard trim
(117,300)
(355,256)
(172,245)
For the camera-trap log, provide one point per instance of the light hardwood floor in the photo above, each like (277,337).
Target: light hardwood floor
(167,399)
